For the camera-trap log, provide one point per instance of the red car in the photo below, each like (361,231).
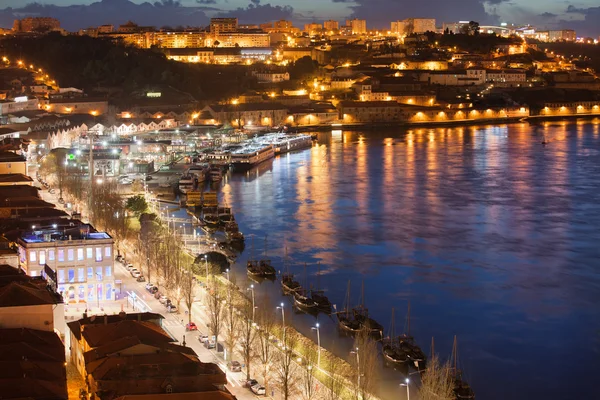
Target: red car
(191,327)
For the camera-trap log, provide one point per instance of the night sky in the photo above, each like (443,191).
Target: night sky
(548,14)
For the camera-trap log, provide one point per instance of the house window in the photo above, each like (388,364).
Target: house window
(79,254)
(107,251)
(90,273)
(42,257)
(81,292)
(108,271)
(51,255)
(90,292)
(108,291)
(99,273)
(70,254)
(98,254)
(71,275)
(90,253)
(61,255)
(80,275)
(32,256)
(61,275)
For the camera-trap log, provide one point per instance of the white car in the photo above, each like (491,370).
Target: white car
(136,273)
(163,299)
(129,267)
(258,390)
(133,271)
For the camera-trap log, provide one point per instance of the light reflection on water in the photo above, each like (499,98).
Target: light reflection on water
(490,235)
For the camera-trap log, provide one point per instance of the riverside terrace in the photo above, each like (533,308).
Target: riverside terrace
(81,257)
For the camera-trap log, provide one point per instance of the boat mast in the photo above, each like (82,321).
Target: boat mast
(393,324)
(455,355)
(432,348)
(348,300)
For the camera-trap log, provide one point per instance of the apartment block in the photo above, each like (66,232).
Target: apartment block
(75,255)
(223,25)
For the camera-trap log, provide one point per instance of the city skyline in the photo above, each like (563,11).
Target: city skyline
(77,14)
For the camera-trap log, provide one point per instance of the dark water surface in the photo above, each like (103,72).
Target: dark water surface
(490,236)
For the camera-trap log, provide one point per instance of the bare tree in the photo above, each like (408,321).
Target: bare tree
(334,380)
(231,319)
(437,383)
(286,368)
(187,287)
(264,348)
(215,312)
(247,336)
(364,366)
(308,383)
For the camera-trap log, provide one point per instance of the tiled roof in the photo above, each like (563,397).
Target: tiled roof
(131,341)
(98,335)
(76,326)
(19,293)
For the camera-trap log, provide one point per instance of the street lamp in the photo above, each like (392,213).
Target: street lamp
(357,366)
(316,328)
(227,272)
(206,263)
(251,288)
(407,389)
(283,321)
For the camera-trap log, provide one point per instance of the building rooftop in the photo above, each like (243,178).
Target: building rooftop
(53,233)
(212,395)
(77,326)
(9,156)
(32,365)
(100,334)
(123,343)
(19,290)
(15,178)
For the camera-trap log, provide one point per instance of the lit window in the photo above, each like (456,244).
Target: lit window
(81,275)
(79,254)
(90,273)
(70,254)
(98,254)
(61,255)
(99,273)
(90,253)
(51,255)
(71,275)
(32,256)
(61,276)
(107,251)
(108,271)
(42,257)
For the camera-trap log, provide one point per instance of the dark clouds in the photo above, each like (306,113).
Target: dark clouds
(256,13)
(590,25)
(166,12)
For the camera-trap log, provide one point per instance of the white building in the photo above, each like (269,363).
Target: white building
(512,77)
(81,258)
(272,77)
(469,77)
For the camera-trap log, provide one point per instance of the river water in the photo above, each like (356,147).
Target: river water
(490,235)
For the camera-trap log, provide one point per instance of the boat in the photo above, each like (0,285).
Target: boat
(414,353)
(361,314)
(302,299)
(210,217)
(197,171)
(318,296)
(391,349)
(186,183)
(261,268)
(284,143)
(288,284)
(346,319)
(249,156)
(232,231)
(462,390)
(215,174)
(225,215)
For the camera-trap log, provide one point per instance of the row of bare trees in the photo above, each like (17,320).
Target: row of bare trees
(256,337)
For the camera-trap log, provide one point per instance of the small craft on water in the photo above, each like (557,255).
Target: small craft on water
(462,390)
(346,318)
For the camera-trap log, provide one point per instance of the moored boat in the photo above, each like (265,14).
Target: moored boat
(302,299)
(186,183)
(346,319)
(251,155)
(461,388)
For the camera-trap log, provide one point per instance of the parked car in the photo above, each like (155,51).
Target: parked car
(191,327)
(153,290)
(234,366)
(251,382)
(119,258)
(163,299)
(168,303)
(157,295)
(129,267)
(258,390)
(202,338)
(149,286)
(210,344)
(172,308)
(141,278)
(135,272)
(148,178)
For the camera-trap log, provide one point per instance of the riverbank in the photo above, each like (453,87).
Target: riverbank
(436,124)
